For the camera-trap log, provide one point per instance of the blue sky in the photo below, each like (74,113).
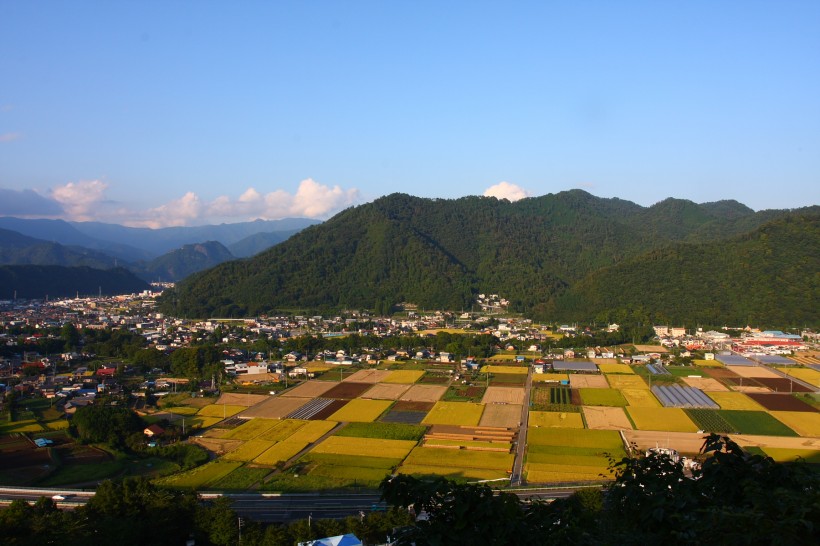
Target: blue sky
(173,113)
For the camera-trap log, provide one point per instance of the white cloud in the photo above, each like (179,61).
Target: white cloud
(80,199)
(505,190)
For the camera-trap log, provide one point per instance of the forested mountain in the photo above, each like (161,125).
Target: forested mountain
(35,281)
(18,249)
(440,253)
(180,263)
(256,243)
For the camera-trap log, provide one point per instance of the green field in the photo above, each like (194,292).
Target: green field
(756,422)
(709,420)
(386,431)
(602,397)
(241,478)
(607,440)
(201,476)
(363,447)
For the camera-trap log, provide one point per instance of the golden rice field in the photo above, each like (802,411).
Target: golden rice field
(280,452)
(202,421)
(804,423)
(493,368)
(570,474)
(627,382)
(220,410)
(558,419)
(21,426)
(641,398)
(201,475)
(470,444)
(708,363)
(549,377)
(247,451)
(454,413)
(783,455)
(282,430)
(317,367)
(615,368)
(365,447)
(461,458)
(583,438)
(251,429)
(403,376)
(452,472)
(361,410)
(663,419)
(735,401)
(808,375)
(312,431)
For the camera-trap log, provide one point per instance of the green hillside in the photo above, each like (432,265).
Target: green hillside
(41,281)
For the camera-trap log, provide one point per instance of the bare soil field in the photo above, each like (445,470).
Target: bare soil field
(368,376)
(583,381)
(347,390)
(754,371)
(720,373)
(276,408)
(706,384)
(503,395)
(310,389)
(501,415)
(780,402)
(217,445)
(424,393)
(781,384)
(651,349)
(386,391)
(605,418)
(329,410)
(407,405)
(239,399)
(759,389)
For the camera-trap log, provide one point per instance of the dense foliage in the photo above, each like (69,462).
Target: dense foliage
(41,281)
(105,423)
(442,253)
(178,264)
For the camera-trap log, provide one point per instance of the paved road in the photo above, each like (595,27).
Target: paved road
(518,465)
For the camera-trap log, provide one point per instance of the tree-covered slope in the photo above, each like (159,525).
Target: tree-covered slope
(35,281)
(19,249)
(768,276)
(180,263)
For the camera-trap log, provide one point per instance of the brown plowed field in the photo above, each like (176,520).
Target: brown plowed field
(276,408)
(760,389)
(501,415)
(239,399)
(368,376)
(582,381)
(310,389)
(347,391)
(386,391)
(781,384)
(424,393)
(503,395)
(720,373)
(408,405)
(780,402)
(575,397)
(327,411)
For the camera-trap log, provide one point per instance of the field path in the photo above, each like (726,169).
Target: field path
(518,465)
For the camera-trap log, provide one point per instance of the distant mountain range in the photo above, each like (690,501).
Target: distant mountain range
(52,281)
(167,254)
(561,256)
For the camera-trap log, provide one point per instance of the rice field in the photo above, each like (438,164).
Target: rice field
(386,431)
(808,375)
(709,420)
(461,458)
(282,430)
(280,452)
(708,363)
(602,397)
(202,475)
(312,431)
(627,382)
(803,422)
(756,422)
(454,413)
(248,451)
(403,376)
(572,439)
(555,419)
(641,398)
(606,418)
(361,410)
(549,377)
(513,370)
(734,401)
(501,415)
(615,368)
(452,472)
(364,447)
(222,410)
(661,419)
(251,429)
(784,455)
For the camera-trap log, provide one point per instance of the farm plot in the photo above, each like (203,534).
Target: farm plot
(706,384)
(458,463)
(403,376)
(276,408)
(602,397)
(756,422)
(361,410)
(735,401)
(183,410)
(583,381)
(709,420)
(503,395)
(780,402)
(556,419)
(424,393)
(201,476)
(554,399)
(280,452)
(512,370)
(347,390)
(675,396)
(781,384)
(707,363)
(220,410)
(661,419)
(309,389)
(626,382)
(615,368)
(368,376)
(325,412)
(549,377)
(241,478)
(640,397)
(754,371)
(507,380)
(454,413)
(282,430)
(241,399)
(248,451)
(411,413)
(311,408)
(501,415)
(385,431)
(721,373)
(572,439)
(386,391)
(805,374)
(251,429)
(785,455)
(802,422)
(365,447)
(604,418)
(464,393)
(218,446)
(546,463)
